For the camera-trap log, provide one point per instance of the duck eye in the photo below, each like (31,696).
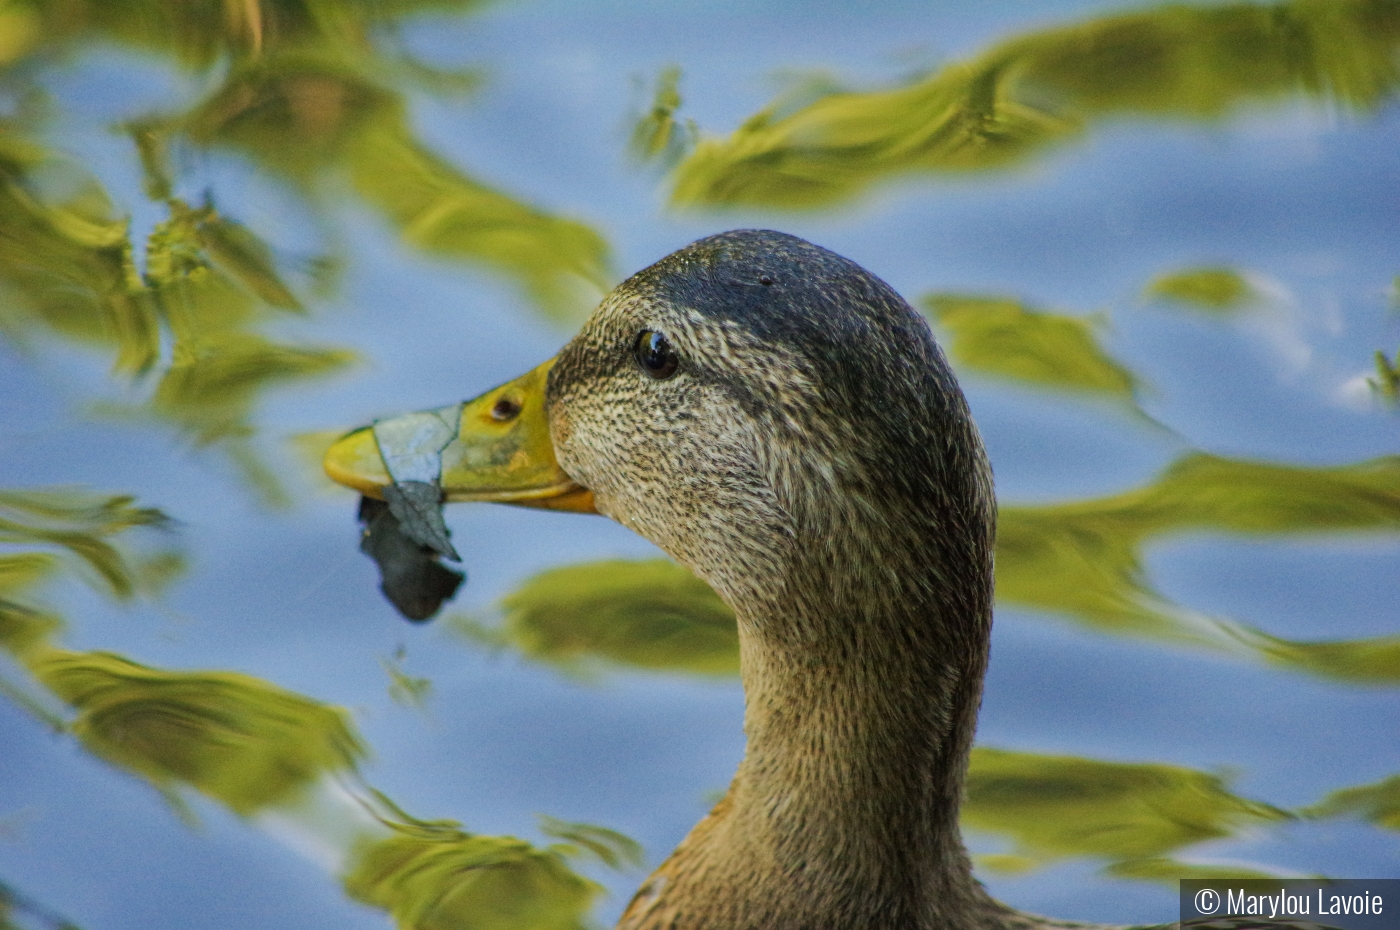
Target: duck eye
(655,355)
(507,408)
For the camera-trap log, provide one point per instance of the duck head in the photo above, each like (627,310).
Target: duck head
(744,401)
(780,421)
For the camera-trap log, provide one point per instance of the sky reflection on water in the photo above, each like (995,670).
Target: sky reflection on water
(1297,197)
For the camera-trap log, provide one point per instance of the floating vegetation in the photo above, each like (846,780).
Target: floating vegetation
(1215,290)
(1003,338)
(1047,88)
(1131,815)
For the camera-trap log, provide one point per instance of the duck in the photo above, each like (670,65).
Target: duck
(780,421)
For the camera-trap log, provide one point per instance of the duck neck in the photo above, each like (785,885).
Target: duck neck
(859,719)
(862,684)
(864,628)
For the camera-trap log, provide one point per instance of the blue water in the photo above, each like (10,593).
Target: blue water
(1305,198)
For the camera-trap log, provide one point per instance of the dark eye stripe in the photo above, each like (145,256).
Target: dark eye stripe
(655,355)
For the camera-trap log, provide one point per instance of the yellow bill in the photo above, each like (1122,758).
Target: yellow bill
(495,447)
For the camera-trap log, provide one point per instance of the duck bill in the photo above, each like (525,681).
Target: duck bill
(495,447)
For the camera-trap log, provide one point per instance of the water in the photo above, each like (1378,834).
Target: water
(1294,192)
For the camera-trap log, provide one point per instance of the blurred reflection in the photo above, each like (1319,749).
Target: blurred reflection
(318,119)
(319,100)
(657,136)
(1023,95)
(1216,290)
(443,879)
(1386,384)
(1132,815)
(408,690)
(81,525)
(646,614)
(242,742)
(18,912)
(1001,337)
(261,751)
(65,259)
(609,847)
(430,875)
(1083,559)
(1378,803)
(67,267)
(312,93)
(654,614)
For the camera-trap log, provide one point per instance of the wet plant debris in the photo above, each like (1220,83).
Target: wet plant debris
(407,542)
